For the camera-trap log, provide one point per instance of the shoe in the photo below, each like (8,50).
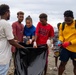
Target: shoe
(51,68)
(65,72)
(55,68)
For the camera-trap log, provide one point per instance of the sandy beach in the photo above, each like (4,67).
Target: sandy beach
(68,71)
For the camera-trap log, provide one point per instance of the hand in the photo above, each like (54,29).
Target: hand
(48,43)
(16,41)
(34,44)
(59,43)
(65,44)
(30,41)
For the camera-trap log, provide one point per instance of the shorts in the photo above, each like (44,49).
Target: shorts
(4,69)
(66,54)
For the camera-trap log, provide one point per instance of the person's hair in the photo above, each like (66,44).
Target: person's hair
(68,13)
(43,15)
(3,9)
(58,25)
(20,12)
(28,18)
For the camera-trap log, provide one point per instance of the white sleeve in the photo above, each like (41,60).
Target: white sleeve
(8,31)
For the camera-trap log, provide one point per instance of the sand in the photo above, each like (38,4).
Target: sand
(68,71)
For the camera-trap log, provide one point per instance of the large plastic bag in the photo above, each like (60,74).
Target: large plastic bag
(30,61)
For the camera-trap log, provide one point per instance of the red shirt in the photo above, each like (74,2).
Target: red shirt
(43,33)
(18,29)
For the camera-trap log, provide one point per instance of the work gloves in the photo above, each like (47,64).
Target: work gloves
(64,44)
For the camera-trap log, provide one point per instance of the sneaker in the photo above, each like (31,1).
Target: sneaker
(55,68)
(51,68)
(65,72)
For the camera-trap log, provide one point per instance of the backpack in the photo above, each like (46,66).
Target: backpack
(63,25)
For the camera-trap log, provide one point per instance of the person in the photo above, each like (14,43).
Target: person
(44,31)
(6,39)
(67,39)
(56,48)
(18,29)
(29,31)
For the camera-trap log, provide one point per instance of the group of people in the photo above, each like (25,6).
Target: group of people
(29,34)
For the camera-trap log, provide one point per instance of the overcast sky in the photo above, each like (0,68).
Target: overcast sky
(53,8)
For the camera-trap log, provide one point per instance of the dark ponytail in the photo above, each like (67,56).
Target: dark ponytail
(28,18)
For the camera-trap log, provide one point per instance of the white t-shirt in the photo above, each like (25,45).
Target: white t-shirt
(5,48)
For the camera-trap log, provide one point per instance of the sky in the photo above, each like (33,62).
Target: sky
(53,8)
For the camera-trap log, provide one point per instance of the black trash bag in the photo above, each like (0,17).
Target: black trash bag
(30,61)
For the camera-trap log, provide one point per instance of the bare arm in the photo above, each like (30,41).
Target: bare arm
(51,40)
(35,44)
(15,37)
(36,37)
(33,38)
(12,42)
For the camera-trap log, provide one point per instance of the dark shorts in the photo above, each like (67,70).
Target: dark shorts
(66,54)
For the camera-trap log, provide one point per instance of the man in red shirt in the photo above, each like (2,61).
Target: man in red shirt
(18,28)
(44,31)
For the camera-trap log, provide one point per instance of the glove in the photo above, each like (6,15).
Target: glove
(34,44)
(65,44)
(48,42)
(59,43)
(30,41)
